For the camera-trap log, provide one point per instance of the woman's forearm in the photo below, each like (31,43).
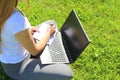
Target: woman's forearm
(40,45)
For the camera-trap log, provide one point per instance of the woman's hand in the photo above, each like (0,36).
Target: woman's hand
(34,29)
(51,30)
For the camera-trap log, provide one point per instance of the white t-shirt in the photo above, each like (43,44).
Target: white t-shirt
(11,50)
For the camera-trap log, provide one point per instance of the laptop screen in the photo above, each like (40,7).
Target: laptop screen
(74,36)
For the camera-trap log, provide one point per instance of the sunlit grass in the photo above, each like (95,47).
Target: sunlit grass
(101,20)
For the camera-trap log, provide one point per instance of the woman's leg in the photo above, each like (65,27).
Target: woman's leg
(32,69)
(12,70)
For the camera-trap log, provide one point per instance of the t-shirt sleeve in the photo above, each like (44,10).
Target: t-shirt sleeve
(17,23)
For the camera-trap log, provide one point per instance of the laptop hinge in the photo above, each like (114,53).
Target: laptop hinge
(67,51)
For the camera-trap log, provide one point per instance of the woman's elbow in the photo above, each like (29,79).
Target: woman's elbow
(35,52)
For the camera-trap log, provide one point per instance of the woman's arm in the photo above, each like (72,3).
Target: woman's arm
(26,39)
(34,29)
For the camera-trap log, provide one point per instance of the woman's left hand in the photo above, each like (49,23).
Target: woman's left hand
(34,29)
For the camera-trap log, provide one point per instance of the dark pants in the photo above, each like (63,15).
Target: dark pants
(32,69)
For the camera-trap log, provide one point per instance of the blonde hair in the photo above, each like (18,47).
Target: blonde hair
(6,9)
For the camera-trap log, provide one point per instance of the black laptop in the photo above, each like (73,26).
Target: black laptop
(74,36)
(69,42)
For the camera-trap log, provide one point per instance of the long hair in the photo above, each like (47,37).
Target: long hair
(6,9)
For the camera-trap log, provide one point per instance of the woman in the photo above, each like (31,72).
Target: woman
(17,44)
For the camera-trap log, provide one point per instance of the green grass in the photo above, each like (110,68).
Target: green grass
(101,20)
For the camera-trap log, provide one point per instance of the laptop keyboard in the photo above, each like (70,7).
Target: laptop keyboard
(56,51)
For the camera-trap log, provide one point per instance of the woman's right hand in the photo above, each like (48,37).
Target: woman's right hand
(51,30)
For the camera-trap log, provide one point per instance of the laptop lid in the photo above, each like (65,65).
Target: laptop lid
(74,36)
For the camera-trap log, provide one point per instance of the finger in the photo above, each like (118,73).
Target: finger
(36,30)
(54,29)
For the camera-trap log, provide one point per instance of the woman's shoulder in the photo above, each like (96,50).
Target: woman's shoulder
(16,17)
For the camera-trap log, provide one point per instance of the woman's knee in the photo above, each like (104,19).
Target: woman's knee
(69,72)
(64,70)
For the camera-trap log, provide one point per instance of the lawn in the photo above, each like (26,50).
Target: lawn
(101,21)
